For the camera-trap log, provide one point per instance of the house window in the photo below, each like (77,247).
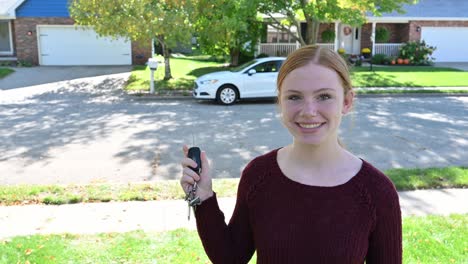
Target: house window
(5,38)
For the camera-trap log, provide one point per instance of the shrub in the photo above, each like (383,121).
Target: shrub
(417,52)
(24,63)
(380,59)
(262,55)
(328,36)
(382,35)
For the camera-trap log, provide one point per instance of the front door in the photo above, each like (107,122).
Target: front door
(350,39)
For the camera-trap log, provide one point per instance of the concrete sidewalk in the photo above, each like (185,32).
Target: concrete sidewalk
(168,215)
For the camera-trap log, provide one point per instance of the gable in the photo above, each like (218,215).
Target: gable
(41,8)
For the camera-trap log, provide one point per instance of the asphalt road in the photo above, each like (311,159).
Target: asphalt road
(87,130)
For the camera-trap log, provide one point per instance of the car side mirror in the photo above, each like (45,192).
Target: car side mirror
(252,72)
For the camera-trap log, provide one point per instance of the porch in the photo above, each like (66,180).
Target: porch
(381,38)
(284,49)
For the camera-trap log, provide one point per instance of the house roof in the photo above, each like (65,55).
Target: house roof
(7,8)
(430,9)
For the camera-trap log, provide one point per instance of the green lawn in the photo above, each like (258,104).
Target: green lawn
(404,179)
(408,76)
(431,239)
(186,70)
(4,72)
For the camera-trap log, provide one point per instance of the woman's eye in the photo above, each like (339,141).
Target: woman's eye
(324,97)
(293,97)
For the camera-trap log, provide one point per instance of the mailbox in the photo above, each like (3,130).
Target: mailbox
(152,64)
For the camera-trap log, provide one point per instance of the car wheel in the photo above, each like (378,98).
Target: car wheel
(227,95)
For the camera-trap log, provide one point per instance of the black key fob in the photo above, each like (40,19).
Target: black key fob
(194,153)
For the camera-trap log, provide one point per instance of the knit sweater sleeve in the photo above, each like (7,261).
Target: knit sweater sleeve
(385,242)
(232,243)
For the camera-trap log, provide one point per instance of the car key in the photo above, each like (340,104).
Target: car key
(194,153)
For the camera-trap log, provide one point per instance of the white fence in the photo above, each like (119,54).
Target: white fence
(389,49)
(283,49)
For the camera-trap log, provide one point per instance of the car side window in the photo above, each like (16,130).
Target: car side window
(270,66)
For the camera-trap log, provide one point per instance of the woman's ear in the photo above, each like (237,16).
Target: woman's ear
(348,102)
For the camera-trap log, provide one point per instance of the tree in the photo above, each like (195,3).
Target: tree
(314,12)
(167,21)
(227,27)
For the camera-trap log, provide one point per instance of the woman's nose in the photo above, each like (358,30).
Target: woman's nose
(309,108)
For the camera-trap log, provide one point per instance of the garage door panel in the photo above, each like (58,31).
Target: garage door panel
(451,43)
(68,45)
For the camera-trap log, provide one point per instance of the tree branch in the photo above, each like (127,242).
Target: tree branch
(281,27)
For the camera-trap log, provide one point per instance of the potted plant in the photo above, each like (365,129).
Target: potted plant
(366,52)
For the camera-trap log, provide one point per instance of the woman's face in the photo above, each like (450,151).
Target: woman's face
(312,103)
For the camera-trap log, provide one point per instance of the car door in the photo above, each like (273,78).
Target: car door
(263,82)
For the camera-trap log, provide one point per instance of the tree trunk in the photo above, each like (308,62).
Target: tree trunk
(167,56)
(312,31)
(234,53)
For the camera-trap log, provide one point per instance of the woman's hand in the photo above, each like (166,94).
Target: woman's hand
(189,177)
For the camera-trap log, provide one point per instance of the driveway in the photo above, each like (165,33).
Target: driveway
(87,130)
(30,76)
(457,65)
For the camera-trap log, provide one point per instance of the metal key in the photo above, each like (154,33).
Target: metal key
(192,201)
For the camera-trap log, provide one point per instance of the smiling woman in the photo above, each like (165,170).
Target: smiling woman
(311,201)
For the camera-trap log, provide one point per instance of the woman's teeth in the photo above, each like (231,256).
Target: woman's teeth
(310,125)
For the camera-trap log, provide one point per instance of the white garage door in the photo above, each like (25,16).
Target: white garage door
(451,42)
(70,45)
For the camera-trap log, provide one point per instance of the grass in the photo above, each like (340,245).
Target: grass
(184,72)
(404,179)
(431,239)
(186,69)
(62,194)
(4,72)
(408,76)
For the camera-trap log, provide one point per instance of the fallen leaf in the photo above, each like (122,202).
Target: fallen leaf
(28,251)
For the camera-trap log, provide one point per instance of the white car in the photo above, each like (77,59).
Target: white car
(254,79)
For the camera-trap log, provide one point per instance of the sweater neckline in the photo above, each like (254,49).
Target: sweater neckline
(276,168)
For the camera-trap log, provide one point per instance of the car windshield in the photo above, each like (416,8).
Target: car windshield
(243,66)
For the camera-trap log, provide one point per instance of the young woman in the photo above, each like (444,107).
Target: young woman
(311,201)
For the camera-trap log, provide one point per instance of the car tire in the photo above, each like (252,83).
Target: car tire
(227,95)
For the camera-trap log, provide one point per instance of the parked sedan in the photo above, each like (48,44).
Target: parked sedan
(254,79)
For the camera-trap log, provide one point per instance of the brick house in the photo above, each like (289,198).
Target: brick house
(440,23)
(42,32)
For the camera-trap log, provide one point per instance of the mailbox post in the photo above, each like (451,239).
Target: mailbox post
(153,65)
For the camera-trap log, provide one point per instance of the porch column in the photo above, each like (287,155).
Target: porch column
(373,38)
(336,36)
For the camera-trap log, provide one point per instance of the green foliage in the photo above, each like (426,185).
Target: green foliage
(316,12)
(24,63)
(417,52)
(228,28)
(380,59)
(166,21)
(328,36)
(382,35)
(263,55)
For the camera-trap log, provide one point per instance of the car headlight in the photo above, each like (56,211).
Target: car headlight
(209,81)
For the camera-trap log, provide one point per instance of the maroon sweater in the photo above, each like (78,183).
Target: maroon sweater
(290,222)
